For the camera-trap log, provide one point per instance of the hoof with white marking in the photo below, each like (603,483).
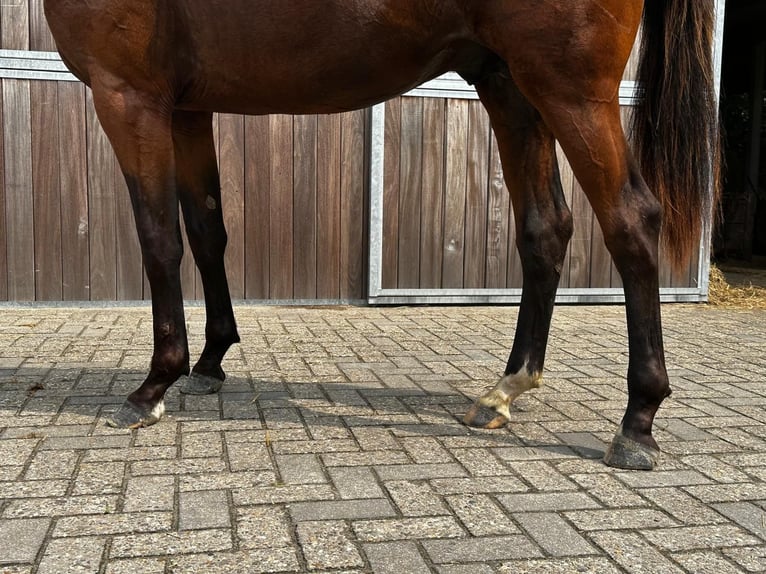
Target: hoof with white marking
(130,416)
(629,454)
(484,417)
(196,384)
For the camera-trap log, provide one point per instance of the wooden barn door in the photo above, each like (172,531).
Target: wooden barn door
(442,229)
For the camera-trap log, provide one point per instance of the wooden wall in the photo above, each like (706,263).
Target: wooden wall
(294,199)
(447,217)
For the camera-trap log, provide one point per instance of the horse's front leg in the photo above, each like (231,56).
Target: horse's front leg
(139,128)
(544,227)
(199,188)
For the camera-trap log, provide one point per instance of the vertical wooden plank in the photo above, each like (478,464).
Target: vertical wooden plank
(19,215)
(101,202)
(232,168)
(432,208)
(353,244)
(579,256)
(281,204)
(328,206)
(257,206)
(600,258)
(476,197)
(75,229)
(632,66)
(3,237)
(40,35)
(567,185)
(409,193)
(454,205)
(46,191)
(14,25)
(499,222)
(305,207)
(129,265)
(391,179)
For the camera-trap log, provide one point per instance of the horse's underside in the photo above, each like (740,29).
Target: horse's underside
(545,71)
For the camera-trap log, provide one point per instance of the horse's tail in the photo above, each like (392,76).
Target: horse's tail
(675,125)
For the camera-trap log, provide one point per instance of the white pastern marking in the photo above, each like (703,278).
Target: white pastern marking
(508,388)
(158,410)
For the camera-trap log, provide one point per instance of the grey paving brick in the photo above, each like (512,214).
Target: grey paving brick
(539,502)
(608,490)
(485,549)
(633,553)
(481,515)
(203,509)
(201,444)
(148,493)
(706,562)
(282,493)
(751,558)
(681,506)
(619,519)
(99,478)
(426,450)
(662,478)
(728,492)
(99,525)
(263,527)
(61,506)
(466,569)
(170,543)
(542,476)
(407,528)
(342,510)
(73,555)
(553,534)
(477,485)
(355,482)
(300,469)
(132,565)
(16,452)
(596,565)
(328,544)
(250,562)
(419,471)
(699,537)
(415,498)
(745,514)
(21,540)
(52,464)
(395,557)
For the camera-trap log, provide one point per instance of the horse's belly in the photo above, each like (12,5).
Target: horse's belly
(327,56)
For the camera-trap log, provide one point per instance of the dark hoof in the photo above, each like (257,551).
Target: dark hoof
(196,384)
(629,454)
(481,416)
(130,416)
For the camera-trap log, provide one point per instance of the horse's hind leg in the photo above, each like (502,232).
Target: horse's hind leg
(630,217)
(544,224)
(139,128)
(199,189)
(584,114)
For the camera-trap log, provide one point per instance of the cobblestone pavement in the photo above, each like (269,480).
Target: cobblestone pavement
(335,446)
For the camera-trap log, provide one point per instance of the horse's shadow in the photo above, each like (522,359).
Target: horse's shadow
(51,402)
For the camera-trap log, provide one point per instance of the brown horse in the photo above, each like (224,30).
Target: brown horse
(543,70)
